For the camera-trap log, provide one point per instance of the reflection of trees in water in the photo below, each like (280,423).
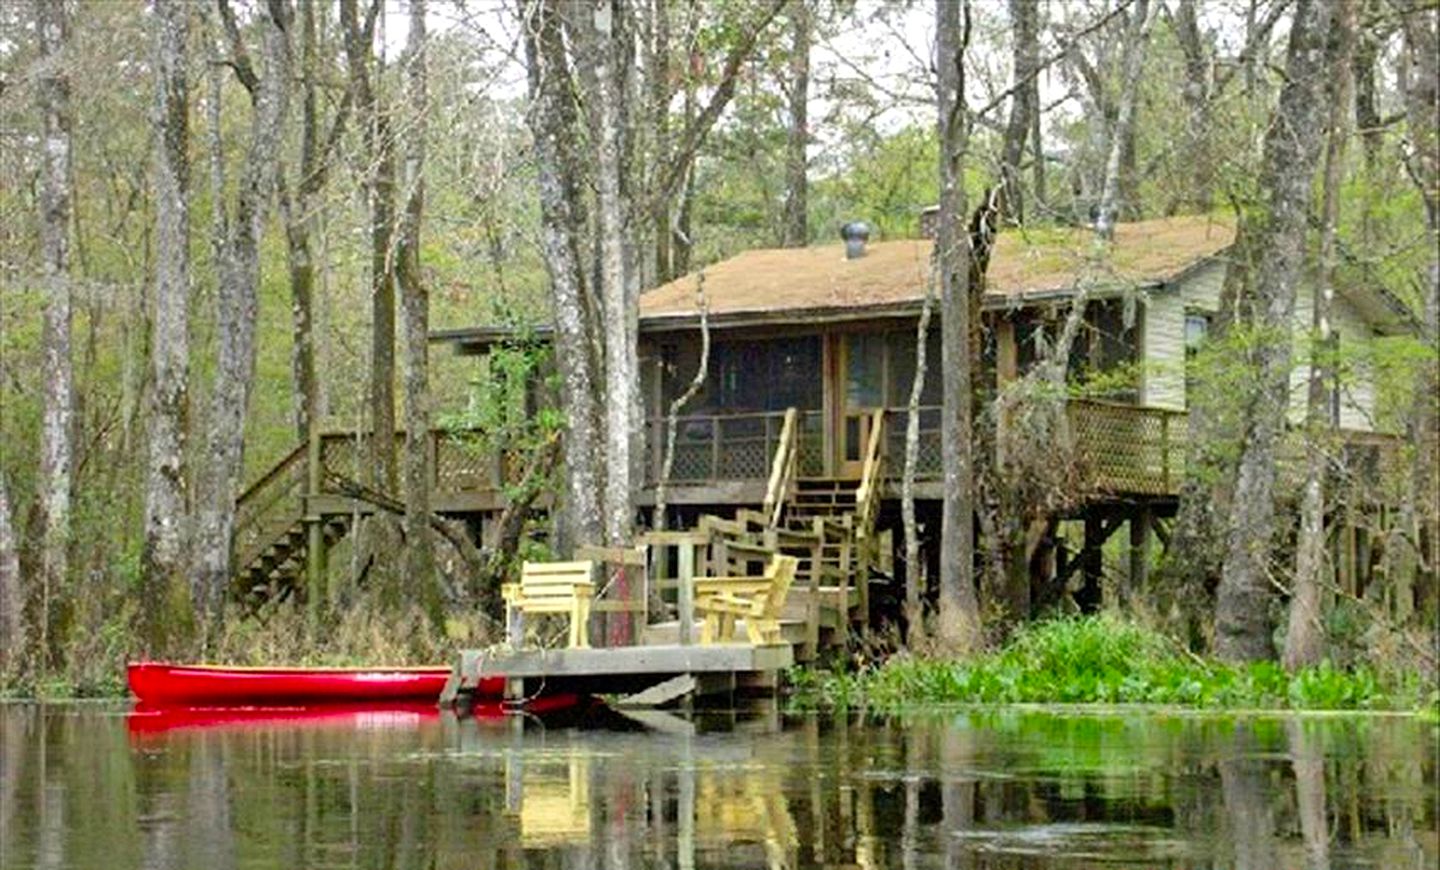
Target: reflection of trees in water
(1309,764)
(996,789)
(1249,818)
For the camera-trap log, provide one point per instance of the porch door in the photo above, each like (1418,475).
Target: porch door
(862,390)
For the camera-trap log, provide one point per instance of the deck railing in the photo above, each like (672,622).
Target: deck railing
(1118,448)
(716,447)
(276,501)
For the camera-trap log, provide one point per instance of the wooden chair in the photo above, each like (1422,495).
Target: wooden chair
(551,587)
(758,600)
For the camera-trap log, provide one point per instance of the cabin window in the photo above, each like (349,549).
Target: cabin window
(865,370)
(1197,329)
(748,376)
(902,368)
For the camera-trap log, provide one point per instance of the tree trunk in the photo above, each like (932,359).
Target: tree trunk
(162,566)
(1307,758)
(1242,624)
(12,597)
(57,447)
(299,205)
(1367,112)
(797,227)
(678,404)
(419,551)
(1196,549)
(1421,513)
(380,188)
(1197,94)
(237,303)
(1025,37)
(1304,639)
(914,562)
(959,617)
(619,306)
(1132,59)
(660,93)
(553,125)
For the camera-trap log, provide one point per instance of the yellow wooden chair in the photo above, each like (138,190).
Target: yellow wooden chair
(551,587)
(757,600)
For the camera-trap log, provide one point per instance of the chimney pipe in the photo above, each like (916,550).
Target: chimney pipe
(855,234)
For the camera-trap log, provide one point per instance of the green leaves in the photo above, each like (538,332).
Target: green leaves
(1103,660)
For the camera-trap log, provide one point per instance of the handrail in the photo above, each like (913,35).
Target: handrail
(782,470)
(867,494)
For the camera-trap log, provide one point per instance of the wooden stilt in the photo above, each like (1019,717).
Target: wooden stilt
(1140,523)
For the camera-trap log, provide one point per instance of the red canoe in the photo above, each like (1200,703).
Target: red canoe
(167,684)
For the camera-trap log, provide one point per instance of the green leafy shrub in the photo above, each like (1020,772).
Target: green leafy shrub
(1102,660)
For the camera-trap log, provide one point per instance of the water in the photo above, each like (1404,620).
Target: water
(89,786)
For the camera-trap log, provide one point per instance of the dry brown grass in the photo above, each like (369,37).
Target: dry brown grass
(894,273)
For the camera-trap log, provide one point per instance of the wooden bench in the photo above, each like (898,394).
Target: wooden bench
(551,587)
(759,600)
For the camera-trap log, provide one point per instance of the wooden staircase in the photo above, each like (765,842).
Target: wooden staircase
(828,523)
(276,569)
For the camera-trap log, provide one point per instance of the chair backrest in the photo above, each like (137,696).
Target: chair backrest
(538,578)
(782,574)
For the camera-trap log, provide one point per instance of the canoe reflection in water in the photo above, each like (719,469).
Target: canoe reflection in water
(405,786)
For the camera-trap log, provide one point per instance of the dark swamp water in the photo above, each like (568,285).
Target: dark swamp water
(91,786)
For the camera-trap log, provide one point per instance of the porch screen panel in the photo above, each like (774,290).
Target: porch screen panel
(865,370)
(763,375)
(795,374)
(902,369)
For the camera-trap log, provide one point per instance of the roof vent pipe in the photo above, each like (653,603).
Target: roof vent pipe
(855,234)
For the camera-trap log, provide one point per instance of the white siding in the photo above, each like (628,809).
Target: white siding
(1357,386)
(1164,333)
(1164,347)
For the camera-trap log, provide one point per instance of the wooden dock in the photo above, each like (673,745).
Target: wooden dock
(646,675)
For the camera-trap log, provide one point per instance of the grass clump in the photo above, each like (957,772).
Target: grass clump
(1103,660)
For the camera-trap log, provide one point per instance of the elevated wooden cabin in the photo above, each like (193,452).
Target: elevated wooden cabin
(828,343)
(835,339)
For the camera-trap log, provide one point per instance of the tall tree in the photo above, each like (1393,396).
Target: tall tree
(299,209)
(12,597)
(1024,105)
(419,552)
(662,90)
(552,120)
(236,298)
(162,564)
(796,225)
(57,448)
(1304,638)
(1197,93)
(959,617)
(1113,187)
(380,191)
(1292,145)
(1422,113)
(606,31)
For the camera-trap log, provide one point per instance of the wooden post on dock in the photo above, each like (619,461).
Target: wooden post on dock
(314,530)
(685,593)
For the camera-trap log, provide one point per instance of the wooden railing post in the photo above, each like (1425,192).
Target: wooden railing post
(1165,451)
(314,529)
(685,592)
(714,448)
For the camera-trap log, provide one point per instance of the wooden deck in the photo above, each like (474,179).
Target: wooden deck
(1116,453)
(712,668)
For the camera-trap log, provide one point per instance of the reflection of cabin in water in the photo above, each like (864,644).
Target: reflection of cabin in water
(828,344)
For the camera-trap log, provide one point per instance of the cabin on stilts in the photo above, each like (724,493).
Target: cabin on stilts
(795,442)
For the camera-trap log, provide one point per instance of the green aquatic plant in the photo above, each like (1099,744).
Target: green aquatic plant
(1103,659)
